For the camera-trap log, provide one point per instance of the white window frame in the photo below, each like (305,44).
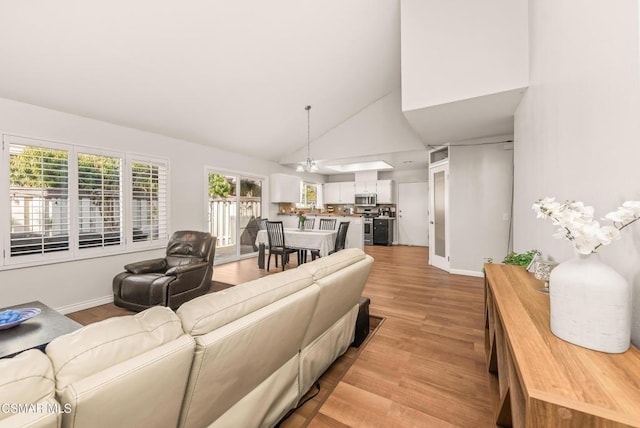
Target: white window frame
(75,252)
(75,215)
(163,239)
(304,204)
(5,220)
(240,174)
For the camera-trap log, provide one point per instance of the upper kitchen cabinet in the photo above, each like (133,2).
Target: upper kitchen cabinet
(285,188)
(464,67)
(339,193)
(363,187)
(385,191)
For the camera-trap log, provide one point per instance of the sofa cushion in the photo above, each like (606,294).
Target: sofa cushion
(98,346)
(325,266)
(206,313)
(26,378)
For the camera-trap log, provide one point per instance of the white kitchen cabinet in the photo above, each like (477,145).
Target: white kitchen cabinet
(347,192)
(339,193)
(385,192)
(285,188)
(331,193)
(364,187)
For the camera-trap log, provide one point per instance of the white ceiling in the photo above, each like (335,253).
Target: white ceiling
(231,74)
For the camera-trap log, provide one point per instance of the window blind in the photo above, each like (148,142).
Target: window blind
(39,199)
(149,201)
(99,200)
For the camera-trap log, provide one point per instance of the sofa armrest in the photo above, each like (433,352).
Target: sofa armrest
(147,266)
(177,270)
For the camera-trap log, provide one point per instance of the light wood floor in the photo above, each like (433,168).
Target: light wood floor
(424,367)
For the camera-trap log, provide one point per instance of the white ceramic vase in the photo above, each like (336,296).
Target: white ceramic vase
(590,304)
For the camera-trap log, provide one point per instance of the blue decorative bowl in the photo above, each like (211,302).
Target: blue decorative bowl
(25,314)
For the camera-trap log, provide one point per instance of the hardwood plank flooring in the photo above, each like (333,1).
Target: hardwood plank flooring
(424,367)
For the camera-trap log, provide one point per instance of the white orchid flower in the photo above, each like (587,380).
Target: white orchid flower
(576,224)
(608,234)
(621,215)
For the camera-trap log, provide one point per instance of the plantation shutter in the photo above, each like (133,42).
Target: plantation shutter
(99,200)
(149,201)
(39,197)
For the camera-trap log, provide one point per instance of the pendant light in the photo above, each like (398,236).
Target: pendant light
(309,165)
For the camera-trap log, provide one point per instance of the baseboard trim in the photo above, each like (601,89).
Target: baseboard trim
(467,272)
(85,305)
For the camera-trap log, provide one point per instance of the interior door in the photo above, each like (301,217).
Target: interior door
(413,214)
(439,216)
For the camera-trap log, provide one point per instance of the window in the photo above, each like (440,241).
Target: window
(39,199)
(235,207)
(308,196)
(99,200)
(68,202)
(148,200)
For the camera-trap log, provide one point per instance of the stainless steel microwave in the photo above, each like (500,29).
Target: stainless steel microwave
(366,200)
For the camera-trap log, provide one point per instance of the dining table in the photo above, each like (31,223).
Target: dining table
(304,239)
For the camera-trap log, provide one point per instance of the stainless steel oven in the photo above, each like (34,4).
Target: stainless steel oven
(367,226)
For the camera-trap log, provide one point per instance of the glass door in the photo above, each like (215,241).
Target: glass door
(235,206)
(439,216)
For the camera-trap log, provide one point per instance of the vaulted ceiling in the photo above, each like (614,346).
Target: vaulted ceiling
(231,74)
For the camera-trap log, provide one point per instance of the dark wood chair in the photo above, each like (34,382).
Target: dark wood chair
(309,223)
(341,240)
(327,224)
(277,246)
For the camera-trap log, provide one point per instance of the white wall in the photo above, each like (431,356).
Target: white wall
(480,180)
(577,129)
(381,125)
(458,49)
(73,285)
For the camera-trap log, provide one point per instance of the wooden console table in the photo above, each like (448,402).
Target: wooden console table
(539,380)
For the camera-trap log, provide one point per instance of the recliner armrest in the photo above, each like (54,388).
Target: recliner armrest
(147,266)
(177,270)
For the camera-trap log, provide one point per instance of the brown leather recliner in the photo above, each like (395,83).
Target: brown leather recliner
(183,274)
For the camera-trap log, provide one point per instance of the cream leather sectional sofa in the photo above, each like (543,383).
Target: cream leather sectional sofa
(242,357)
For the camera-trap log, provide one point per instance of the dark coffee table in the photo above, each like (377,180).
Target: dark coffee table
(36,332)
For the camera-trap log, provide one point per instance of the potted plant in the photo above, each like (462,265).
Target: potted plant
(520,259)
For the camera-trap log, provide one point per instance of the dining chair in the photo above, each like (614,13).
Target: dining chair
(277,246)
(327,224)
(341,239)
(262,223)
(309,223)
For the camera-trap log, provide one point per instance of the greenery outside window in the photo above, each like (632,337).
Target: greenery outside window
(308,196)
(66,202)
(39,200)
(99,200)
(235,209)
